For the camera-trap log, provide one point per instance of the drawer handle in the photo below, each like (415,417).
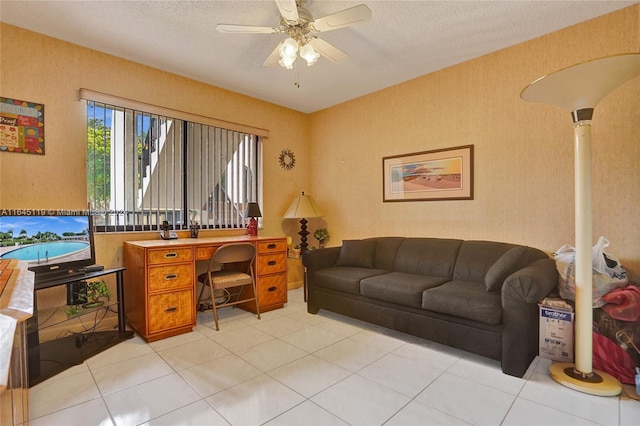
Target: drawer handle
(170,255)
(171,276)
(272,262)
(274,288)
(173,309)
(271,246)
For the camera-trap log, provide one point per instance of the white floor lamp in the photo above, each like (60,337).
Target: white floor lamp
(579,89)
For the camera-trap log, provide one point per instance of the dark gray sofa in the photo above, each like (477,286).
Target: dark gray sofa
(478,296)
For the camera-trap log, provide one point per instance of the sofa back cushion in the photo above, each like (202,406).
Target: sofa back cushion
(386,250)
(506,265)
(434,257)
(357,253)
(476,258)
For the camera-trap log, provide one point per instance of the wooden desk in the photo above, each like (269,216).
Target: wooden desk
(161,280)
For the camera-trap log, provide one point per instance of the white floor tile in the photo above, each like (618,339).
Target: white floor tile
(312,339)
(323,369)
(219,374)
(132,372)
(541,388)
(307,414)
(192,353)
(529,413)
(121,352)
(359,401)
(309,375)
(472,402)
(92,412)
(407,376)
(271,354)
(255,401)
(197,414)
(59,393)
(418,414)
(350,354)
(149,400)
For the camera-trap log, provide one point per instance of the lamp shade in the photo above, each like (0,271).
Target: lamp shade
(303,207)
(253,210)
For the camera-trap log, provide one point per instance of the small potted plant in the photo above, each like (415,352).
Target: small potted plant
(96,290)
(296,251)
(322,235)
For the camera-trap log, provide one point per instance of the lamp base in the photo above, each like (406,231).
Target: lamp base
(598,383)
(252,227)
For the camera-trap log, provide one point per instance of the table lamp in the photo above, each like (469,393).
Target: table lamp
(303,207)
(253,211)
(578,89)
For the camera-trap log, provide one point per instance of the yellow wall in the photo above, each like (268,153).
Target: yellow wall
(523,151)
(49,71)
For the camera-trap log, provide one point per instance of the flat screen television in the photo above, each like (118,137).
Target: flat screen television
(55,244)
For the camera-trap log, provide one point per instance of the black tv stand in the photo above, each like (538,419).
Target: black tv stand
(50,358)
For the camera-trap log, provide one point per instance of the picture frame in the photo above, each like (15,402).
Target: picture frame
(21,126)
(441,174)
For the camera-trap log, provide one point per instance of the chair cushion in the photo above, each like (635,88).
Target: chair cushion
(357,253)
(505,266)
(399,287)
(464,299)
(344,278)
(223,279)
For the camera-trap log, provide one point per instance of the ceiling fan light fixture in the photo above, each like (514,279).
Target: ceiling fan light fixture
(287,61)
(288,48)
(308,53)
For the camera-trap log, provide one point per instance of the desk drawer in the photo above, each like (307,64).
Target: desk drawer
(167,255)
(272,290)
(170,276)
(170,310)
(272,263)
(265,247)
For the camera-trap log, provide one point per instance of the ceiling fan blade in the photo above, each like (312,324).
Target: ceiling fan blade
(328,50)
(343,18)
(273,58)
(288,9)
(232,28)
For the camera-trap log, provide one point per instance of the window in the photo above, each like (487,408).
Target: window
(144,168)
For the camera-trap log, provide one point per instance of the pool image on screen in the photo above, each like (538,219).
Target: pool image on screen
(41,240)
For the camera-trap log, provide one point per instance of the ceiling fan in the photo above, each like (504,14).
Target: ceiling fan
(298,23)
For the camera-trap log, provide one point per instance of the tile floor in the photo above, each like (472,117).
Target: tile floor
(293,368)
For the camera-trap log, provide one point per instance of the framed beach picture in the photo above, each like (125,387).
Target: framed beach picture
(442,174)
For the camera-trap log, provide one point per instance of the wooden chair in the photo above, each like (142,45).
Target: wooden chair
(230,277)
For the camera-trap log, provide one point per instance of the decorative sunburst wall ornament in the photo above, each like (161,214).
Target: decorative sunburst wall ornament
(287,160)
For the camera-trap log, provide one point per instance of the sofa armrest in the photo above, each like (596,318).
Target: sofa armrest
(530,284)
(521,293)
(314,260)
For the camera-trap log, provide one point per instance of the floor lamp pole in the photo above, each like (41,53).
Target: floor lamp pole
(578,89)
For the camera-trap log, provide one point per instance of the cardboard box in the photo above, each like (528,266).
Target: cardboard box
(556,333)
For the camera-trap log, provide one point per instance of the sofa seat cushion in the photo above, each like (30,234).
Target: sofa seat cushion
(399,287)
(344,278)
(465,299)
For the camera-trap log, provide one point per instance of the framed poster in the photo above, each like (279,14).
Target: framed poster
(21,126)
(443,174)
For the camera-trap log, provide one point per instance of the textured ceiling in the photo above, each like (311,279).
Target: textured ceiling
(404,39)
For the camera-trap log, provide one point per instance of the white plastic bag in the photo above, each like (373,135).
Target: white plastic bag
(608,274)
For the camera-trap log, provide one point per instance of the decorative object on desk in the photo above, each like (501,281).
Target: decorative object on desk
(579,89)
(166,234)
(96,290)
(253,211)
(303,207)
(287,160)
(441,174)
(194,227)
(322,235)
